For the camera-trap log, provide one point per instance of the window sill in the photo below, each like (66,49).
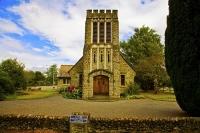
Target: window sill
(123,86)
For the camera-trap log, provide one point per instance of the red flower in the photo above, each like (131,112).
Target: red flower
(71,89)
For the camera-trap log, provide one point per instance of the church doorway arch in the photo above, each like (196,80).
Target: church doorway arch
(101,85)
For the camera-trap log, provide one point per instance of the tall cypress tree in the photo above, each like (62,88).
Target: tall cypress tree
(182,53)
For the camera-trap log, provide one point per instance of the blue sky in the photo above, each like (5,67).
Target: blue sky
(40,33)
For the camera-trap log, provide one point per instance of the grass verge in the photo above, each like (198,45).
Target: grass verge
(135,97)
(27,95)
(160,96)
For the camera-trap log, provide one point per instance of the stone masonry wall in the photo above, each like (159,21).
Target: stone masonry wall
(60,83)
(102,125)
(100,47)
(75,71)
(126,70)
(31,122)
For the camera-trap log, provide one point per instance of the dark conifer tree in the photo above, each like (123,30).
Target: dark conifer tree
(182,53)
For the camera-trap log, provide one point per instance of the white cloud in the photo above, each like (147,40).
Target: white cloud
(8,42)
(31,61)
(63,24)
(48,21)
(7,26)
(47,48)
(37,49)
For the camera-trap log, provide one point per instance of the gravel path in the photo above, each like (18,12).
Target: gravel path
(58,106)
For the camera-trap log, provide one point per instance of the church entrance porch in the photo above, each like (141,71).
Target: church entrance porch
(101,85)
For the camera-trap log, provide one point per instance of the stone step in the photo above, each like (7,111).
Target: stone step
(102,98)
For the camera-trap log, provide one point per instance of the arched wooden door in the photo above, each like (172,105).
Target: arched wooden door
(101,85)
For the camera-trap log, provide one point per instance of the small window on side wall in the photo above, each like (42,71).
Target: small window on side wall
(64,81)
(80,79)
(94,56)
(123,80)
(101,56)
(108,56)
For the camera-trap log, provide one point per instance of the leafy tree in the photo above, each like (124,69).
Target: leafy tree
(145,53)
(29,75)
(34,78)
(6,83)
(51,75)
(15,70)
(39,78)
(144,43)
(182,38)
(6,86)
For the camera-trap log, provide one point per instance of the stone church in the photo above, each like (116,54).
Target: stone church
(101,70)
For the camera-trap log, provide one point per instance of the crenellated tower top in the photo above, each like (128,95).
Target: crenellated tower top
(102,14)
(102,27)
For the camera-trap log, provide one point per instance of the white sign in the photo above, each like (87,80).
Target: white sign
(78,118)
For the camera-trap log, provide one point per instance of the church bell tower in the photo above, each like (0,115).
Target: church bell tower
(101,54)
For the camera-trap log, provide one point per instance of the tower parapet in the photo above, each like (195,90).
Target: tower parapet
(102,26)
(102,14)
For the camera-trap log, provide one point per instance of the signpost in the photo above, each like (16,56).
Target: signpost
(78,123)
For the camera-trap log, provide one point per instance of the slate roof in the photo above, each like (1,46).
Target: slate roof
(63,71)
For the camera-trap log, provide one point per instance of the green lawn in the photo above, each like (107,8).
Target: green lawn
(26,95)
(160,96)
(167,90)
(136,96)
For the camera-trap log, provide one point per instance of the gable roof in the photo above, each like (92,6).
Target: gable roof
(127,62)
(64,71)
(76,63)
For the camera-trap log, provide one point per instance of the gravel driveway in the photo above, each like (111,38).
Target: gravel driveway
(58,106)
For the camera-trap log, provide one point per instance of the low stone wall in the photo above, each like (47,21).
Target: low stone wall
(32,122)
(147,125)
(102,125)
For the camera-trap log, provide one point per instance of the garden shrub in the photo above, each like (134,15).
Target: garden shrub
(2,95)
(123,95)
(133,88)
(73,93)
(182,46)
(63,89)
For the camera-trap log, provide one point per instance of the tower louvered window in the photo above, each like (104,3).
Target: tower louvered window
(95,32)
(108,32)
(101,37)
(101,32)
